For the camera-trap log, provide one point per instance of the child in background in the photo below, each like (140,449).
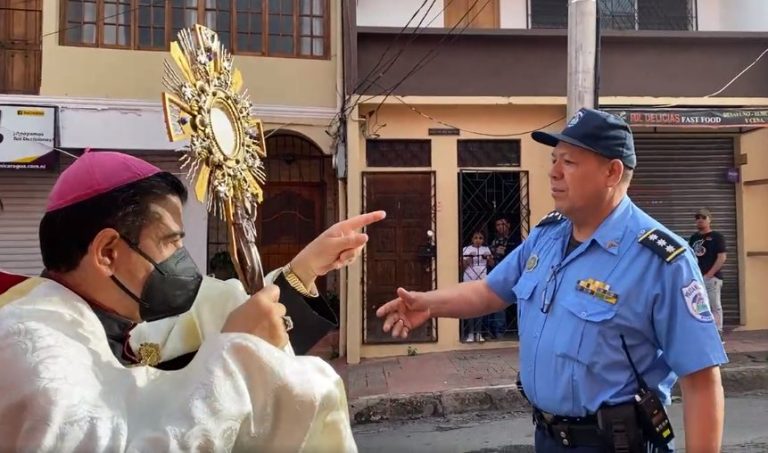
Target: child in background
(474,260)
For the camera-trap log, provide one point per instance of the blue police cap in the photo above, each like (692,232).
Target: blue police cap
(598,131)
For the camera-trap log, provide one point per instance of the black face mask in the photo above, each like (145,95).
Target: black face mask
(170,289)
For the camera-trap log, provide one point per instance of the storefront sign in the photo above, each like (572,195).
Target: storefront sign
(27,137)
(752,117)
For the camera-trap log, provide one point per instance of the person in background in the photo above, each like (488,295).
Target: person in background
(503,244)
(475,260)
(709,247)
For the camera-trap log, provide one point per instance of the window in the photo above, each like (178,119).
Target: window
(488,153)
(398,153)
(621,14)
(286,28)
(617,14)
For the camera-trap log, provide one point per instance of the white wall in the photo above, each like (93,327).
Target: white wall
(514,14)
(733,15)
(395,13)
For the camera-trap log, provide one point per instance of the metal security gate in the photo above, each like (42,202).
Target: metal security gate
(485,197)
(23,195)
(677,176)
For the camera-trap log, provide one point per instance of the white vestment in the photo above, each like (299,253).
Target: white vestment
(62,389)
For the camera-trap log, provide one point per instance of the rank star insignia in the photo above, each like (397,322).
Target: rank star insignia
(532,262)
(597,289)
(149,354)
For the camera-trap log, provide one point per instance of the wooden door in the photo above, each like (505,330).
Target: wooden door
(392,254)
(483,14)
(290,217)
(20,37)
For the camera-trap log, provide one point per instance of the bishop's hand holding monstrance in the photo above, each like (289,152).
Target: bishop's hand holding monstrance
(225,160)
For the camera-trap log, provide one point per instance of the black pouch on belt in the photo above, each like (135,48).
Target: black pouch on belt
(619,426)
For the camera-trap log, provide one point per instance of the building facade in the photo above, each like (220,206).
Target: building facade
(90,73)
(443,96)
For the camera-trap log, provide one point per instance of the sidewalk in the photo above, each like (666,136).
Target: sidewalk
(445,383)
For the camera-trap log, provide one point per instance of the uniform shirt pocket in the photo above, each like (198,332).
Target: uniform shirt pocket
(585,320)
(525,292)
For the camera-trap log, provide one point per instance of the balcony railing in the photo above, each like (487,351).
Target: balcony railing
(621,14)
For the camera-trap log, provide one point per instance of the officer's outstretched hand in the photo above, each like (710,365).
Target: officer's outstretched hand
(404,314)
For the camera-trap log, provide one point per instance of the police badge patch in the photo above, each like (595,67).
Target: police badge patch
(697,302)
(532,262)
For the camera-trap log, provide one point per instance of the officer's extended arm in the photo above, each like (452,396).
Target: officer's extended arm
(685,330)
(467,300)
(703,410)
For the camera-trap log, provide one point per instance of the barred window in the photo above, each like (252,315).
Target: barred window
(621,14)
(488,153)
(286,28)
(398,153)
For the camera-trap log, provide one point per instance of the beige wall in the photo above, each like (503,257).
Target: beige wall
(401,122)
(754,214)
(128,74)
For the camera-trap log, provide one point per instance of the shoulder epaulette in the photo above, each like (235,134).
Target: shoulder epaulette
(662,244)
(552,217)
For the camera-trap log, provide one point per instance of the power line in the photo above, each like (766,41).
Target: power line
(413,37)
(731,82)
(483,134)
(393,60)
(392,43)
(432,53)
(344,111)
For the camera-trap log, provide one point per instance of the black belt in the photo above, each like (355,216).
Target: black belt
(570,431)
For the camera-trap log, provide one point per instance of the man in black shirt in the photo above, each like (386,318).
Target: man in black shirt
(709,247)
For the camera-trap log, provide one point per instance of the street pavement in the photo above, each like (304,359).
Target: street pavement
(482,378)
(745,431)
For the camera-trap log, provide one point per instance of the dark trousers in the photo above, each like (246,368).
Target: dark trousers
(546,444)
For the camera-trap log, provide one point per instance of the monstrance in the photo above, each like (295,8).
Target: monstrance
(226,141)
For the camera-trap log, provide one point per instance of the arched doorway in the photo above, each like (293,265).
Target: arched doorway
(300,201)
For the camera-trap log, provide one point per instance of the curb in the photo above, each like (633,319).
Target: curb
(504,398)
(379,408)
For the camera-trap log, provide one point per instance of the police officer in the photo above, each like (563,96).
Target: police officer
(598,283)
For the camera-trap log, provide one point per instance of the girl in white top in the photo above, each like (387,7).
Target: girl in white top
(475,260)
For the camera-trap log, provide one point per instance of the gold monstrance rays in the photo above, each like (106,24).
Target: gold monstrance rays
(226,142)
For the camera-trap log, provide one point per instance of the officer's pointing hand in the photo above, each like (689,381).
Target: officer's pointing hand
(404,314)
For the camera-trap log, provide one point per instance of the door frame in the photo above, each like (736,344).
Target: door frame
(433,326)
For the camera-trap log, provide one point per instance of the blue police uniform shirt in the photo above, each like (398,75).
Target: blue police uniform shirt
(571,359)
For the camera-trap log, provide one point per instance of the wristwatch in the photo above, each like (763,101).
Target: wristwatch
(296,283)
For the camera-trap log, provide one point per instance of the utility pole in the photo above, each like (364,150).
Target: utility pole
(582,48)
